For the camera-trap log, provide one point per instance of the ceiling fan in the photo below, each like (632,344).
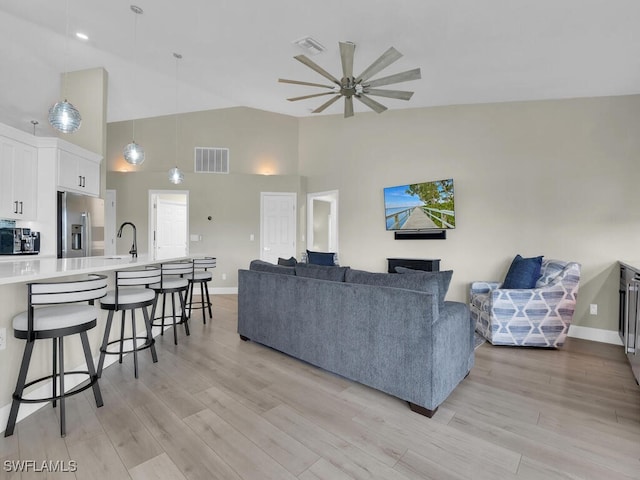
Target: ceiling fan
(360,87)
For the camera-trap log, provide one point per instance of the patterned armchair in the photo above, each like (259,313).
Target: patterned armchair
(539,317)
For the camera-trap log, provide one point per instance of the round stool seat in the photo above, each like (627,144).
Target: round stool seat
(199,276)
(56,317)
(128,296)
(171,284)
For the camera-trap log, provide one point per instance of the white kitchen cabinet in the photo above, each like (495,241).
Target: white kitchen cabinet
(78,173)
(18,180)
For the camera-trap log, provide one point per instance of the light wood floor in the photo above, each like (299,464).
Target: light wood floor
(215,407)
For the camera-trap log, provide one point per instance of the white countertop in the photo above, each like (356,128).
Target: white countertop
(31,268)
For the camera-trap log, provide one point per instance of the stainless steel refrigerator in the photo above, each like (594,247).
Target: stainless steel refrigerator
(80,225)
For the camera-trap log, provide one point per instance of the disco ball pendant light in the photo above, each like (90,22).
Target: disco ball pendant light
(175,175)
(63,116)
(134,153)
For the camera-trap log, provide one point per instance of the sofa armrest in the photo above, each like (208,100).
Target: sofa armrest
(484,287)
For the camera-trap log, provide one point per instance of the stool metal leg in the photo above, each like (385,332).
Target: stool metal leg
(62,402)
(135,343)
(204,312)
(189,297)
(22,378)
(185,319)
(150,339)
(121,336)
(90,368)
(206,289)
(54,377)
(175,326)
(105,341)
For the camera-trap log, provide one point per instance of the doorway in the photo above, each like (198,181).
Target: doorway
(168,223)
(277,226)
(322,221)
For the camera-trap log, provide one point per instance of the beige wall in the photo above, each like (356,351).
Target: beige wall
(87,91)
(233,202)
(259,142)
(552,178)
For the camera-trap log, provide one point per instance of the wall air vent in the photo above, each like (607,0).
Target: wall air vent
(211,160)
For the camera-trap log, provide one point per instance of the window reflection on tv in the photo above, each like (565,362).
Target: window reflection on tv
(420,206)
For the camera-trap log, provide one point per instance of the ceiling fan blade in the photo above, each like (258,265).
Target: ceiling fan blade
(346,55)
(294,99)
(326,104)
(371,103)
(398,94)
(298,82)
(386,59)
(397,78)
(314,66)
(348,107)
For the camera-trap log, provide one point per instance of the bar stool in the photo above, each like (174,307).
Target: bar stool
(131,293)
(203,276)
(61,318)
(172,281)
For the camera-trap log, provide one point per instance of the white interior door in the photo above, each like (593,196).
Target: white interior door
(169,224)
(277,226)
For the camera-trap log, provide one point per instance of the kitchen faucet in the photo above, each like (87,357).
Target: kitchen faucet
(134,247)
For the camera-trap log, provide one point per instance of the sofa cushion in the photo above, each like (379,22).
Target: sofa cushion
(321,258)
(287,262)
(444,279)
(321,272)
(421,283)
(523,273)
(262,266)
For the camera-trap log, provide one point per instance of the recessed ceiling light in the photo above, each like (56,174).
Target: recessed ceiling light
(82,36)
(309,45)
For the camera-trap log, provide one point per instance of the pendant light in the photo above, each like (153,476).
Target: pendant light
(134,153)
(175,175)
(63,116)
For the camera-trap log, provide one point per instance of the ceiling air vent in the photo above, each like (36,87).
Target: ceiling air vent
(310,45)
(211,160)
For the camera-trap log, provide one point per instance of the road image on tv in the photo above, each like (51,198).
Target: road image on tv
(420,206)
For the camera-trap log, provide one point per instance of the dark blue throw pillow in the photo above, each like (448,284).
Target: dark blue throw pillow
(523,273)
(320,258)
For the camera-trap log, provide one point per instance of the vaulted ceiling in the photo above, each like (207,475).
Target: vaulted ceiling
(470,51)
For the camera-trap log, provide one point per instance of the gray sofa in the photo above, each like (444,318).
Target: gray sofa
(407,343)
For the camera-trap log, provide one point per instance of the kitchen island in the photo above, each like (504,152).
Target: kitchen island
(32,269)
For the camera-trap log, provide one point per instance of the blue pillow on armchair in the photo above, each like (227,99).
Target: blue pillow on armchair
(523,273)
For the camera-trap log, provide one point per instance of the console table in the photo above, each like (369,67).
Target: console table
(427,264)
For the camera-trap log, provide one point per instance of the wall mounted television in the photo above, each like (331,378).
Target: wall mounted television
(420,206)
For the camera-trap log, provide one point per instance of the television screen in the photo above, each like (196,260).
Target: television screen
(420,206)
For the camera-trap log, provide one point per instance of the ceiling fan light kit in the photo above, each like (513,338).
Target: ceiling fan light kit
(360,87)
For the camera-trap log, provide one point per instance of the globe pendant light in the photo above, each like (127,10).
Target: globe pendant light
(134,153)
(63,116)
(175,175)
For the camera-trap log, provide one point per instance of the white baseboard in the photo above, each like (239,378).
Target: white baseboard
(595,334)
